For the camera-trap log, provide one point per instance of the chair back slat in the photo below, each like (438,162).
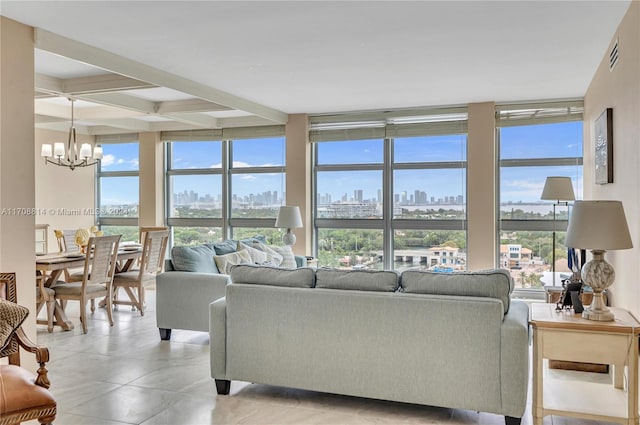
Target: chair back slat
(66,240)
(100,262)
(154,250)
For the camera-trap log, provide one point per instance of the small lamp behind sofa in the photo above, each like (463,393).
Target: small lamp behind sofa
(289,217)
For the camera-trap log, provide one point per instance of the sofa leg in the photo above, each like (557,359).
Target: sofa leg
(510,420)
(223,386)
(165,334)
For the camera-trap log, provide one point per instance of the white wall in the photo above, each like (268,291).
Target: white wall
(17,236)
(619,89)
(64,197)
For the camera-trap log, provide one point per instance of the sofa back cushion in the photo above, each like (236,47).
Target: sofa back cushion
(197,258)
(260,275)
(494,283)
(357,280)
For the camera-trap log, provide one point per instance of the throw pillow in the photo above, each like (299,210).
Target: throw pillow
(272,256)
(225,247)
(196,258)
(11,317)
(226,261)
(288,259)
(257,256)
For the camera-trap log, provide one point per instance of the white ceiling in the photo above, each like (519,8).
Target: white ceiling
(155,65)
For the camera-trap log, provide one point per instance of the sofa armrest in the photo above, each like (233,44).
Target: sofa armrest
(515,358)
(183,298)
(42,356)
(218,338)
(168,265)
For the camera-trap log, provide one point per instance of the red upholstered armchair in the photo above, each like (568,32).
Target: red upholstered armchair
(23,396)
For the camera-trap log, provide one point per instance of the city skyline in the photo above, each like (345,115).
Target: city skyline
(517,184)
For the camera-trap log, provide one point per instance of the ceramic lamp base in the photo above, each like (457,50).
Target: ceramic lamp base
(289,238)
(599,275)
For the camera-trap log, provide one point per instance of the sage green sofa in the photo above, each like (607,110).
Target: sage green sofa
(191,281)
(449,340)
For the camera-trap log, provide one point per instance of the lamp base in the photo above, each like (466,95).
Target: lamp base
(599,275)
(289,238)
(606,316)
(598,311)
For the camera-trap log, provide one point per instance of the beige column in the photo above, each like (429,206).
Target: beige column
(481,187)
(151,179)
(17,175)
(299,177)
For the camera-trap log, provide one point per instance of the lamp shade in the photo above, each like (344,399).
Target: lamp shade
(599,225)
(289,217)
(558,189)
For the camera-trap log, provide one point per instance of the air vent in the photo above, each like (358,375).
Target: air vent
(613,56)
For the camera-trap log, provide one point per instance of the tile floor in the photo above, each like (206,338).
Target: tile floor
(126,375)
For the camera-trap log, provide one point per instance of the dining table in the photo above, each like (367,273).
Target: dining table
(53,265)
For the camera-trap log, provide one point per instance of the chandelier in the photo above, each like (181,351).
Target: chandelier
(71,157)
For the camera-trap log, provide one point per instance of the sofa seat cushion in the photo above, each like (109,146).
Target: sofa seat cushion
(11,317)
(272,276)
(357,280)
(19,392)
(197,258)
(494,283)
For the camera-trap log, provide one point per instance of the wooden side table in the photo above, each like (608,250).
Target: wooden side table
(567,336)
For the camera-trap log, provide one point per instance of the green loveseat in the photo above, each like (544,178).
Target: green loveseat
(192,280)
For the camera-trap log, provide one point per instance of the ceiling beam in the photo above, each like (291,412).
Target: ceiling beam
(189,105)
(62,46)
(120,100)
(201,120)
(243,122)
(103,83)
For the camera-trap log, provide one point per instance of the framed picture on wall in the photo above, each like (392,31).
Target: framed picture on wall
(603,133)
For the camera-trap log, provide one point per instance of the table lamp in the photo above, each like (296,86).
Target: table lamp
(289,217)
(559,189)
(598,226)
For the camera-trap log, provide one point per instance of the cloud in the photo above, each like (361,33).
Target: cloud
(108,160)
(248,177)
(521,190)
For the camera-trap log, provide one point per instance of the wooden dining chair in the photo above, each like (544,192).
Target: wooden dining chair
(97,279)
(23,396)
(151,262)
(66,240)
(67,243)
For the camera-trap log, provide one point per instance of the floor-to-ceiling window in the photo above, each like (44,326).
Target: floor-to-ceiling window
(390,189)
(225,184)
(536,141)
(118,186)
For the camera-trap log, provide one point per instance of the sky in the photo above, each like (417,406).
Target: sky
(518,184)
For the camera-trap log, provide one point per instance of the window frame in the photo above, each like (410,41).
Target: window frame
(522,115)
(226,137)
(389,125)
(100,173)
